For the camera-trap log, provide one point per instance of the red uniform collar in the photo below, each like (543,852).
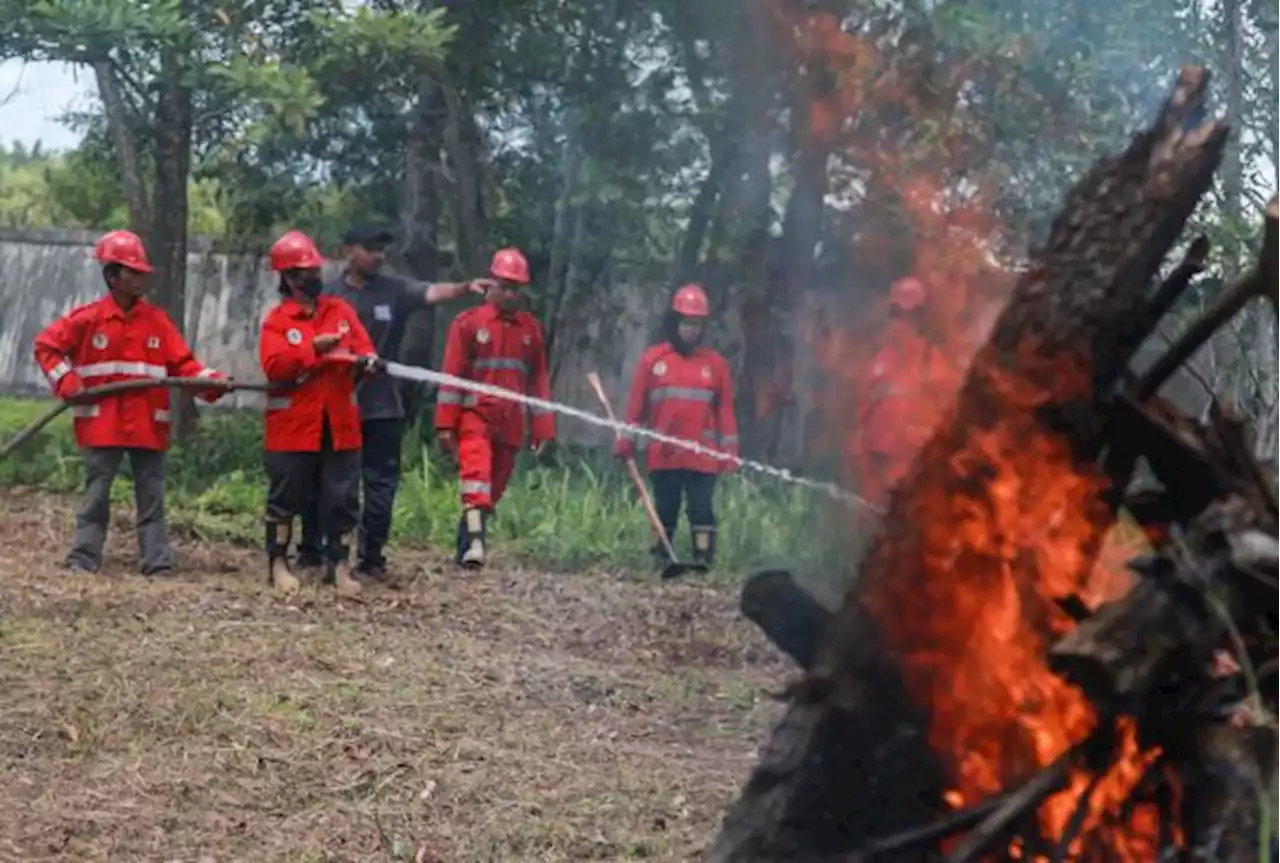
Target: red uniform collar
(700,352)
(113,310)
(298,311)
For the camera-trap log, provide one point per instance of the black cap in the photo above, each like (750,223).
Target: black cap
(368,236)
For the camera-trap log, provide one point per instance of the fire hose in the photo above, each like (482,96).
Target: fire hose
(435,378)
(117,387)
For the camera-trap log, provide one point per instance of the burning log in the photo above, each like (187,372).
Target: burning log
(786,613)
(935,689)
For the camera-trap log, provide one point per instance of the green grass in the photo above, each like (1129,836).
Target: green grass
(573,511)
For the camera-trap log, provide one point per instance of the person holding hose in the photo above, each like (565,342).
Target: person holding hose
(499,345)
(683,389)
(384,304)
(120,337)
(313,433)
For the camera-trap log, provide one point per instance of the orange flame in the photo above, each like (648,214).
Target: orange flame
(1005,521)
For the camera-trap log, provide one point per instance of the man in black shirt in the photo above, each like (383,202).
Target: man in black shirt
(384,304)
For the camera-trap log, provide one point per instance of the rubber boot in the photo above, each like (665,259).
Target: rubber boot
(340,568)
(460,544)
(704,546)
(279,532)
(472,548)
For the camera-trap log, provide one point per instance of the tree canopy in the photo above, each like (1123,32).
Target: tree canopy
(783,153)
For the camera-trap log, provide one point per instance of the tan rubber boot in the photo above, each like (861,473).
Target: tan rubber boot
(343,581)
(340,570)
(279,532)
(473,554)
(282,579)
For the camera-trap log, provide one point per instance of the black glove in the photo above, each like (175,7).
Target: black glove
(372,364)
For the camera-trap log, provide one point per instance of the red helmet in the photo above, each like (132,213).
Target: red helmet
(907,294)
(691,301)
(510,264)
(295,251)
(123,248)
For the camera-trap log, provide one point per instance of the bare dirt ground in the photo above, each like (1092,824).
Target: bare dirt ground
(512,715)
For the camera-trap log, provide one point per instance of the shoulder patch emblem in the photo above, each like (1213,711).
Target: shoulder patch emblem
(482,336)
(344,327)
(294,336)
(99,340)
(706,373)
(153,342)
(528,341)
(660,368)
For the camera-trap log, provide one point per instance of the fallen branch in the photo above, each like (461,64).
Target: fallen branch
(1260,282)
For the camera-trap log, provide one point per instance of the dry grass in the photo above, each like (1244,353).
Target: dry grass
(510,716)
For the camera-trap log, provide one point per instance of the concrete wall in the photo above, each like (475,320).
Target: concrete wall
(48,272)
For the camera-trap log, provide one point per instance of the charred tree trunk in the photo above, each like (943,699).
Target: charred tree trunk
(851,761)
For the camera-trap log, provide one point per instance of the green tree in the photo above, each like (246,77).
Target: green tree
(180,80)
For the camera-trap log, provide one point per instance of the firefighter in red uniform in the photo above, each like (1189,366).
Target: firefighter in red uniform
(893,417)
(683,389)
(313,433)
(120,337)
(499,345)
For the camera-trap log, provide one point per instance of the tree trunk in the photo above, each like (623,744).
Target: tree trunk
(419,229)
(465,150)
(747,214)
(167,232)
(554,285)
(861,752)
(121,123)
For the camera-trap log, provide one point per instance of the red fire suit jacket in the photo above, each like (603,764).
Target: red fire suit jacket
(100,343)
(502,349)
(688,397)
(327,382)
(898,405)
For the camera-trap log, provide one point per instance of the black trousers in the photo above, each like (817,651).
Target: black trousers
(325,481)
(380,476)
(695,489)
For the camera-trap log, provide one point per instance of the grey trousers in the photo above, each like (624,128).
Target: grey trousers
(100,468)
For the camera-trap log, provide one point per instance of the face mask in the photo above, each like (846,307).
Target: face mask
(685,345)
(310,287)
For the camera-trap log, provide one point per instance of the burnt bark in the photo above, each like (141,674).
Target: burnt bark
(849,761)
(791,618)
